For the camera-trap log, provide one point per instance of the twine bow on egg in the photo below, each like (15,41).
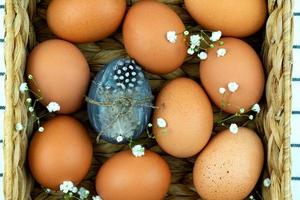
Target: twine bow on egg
(125,103)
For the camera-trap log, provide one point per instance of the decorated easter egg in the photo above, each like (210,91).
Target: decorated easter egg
(125,176)
(229,166)
(183,118)
(145,37)
(233,75)
(233,17)
(120,101)
(85,21)
(62,152)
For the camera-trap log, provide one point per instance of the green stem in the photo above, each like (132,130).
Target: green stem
(207,37)
(200,48)
(245,123)
(35,94)
(203,39)
(76,197)
(130,144)
(38,118)
(36,100)
(149,134)
(231,117)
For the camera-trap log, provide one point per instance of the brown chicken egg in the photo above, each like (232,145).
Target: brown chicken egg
(125,176)
(233,17)
(62,152)
(145,29)
(183,119)
(85,21)
(229,166)
(239,73)
(60,74)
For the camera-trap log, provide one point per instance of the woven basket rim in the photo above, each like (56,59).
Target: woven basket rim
(275,121)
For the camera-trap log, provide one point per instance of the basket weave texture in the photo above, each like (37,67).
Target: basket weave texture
(25,25)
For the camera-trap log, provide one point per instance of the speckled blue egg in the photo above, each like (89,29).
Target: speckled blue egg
(120,102)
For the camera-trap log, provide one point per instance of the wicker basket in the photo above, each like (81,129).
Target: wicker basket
(274,121)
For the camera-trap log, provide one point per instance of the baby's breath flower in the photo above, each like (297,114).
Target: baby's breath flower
(251,197)
(242,110)
(149,125)
(221,52)
(195,40)
(215,36)
(30,77)
(47,190)
(28,100)
(191,51)
(267,182)
(23,88)
(233,86)
(202,55)
(138,150)
(96,198)
(256,108)
(222,90)
(234,128)
(186,33)
(251,117)
(53,107)
(19,127)
(83,193)
(66,186)
(30,109)
(120,138)
(74,189)
(161,123)
(41,129)
(172,36)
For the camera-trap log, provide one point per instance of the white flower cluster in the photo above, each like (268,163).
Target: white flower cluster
(69,188)
(83,193)
(222,90)
(41,129)
(161,123)
(195,42)
(221,52)
(215,36)
(23,88)
(53,107)
(252,197)
(267,182)
(138,150)
(234,129)
(256,108)
(171,36)
(233,86)
(19,127)
(96,198)
(202,55)
(120,138)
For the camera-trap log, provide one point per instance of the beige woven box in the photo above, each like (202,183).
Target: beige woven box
(273,123)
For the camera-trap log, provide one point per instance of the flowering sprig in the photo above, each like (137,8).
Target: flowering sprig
(138,151)
(225,92)
(199,41)
(233,127)
(70,191)
(31,104)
